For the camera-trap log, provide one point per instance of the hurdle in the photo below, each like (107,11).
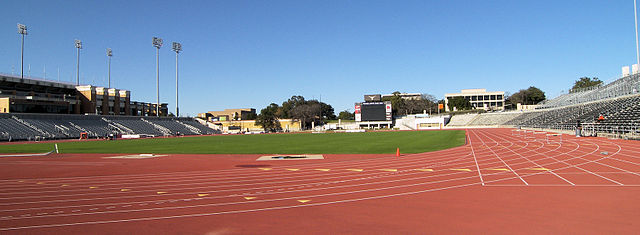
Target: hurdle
(539,135)
(554,138)
(516,132)
(532,136)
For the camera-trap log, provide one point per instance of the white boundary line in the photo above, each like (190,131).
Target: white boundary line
(494,153)
(474,158)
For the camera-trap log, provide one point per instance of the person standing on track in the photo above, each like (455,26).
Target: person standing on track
(578,128)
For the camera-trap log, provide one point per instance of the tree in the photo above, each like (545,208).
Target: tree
(290,104)
(531,95)
(299,109)
(346,115)
(326,111)
(426,102)
(306,113)
(586,82)
(397,103)
(267,118)
(535,95)
(459,102)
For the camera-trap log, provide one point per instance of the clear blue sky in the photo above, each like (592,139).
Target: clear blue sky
(251,53)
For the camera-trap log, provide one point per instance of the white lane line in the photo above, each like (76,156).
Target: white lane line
(475,160)
(340,193)
(617,168)
(563,185)
(231,195)
(507,165)
(530,160)
(331,194)
(230,190)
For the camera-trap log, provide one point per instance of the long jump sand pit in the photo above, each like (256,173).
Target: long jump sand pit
(291,157)
(137,156)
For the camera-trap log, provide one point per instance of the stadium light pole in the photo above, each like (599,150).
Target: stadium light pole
(78,46)
(177,47)
(22,29)
(109,54)
(635,14)
(157,42)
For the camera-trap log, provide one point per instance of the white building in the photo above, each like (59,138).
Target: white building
(406,96)
(479,99)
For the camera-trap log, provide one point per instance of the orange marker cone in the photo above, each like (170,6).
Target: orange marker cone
(397,152)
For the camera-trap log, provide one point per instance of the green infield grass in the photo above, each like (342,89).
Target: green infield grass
(299,143)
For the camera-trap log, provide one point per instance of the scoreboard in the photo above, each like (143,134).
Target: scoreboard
(373,111)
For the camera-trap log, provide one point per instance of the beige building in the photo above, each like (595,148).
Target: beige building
(229,114)
(232,126)
(479,99)
(112,101)
(31,95)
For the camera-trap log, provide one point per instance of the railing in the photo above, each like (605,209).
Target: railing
(623,86)
(162,129)
(190,127)
(117,126)
(44,133)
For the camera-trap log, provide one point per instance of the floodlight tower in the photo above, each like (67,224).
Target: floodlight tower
(157,42)
(78,46)
(177,47)
(635,14)
(22,29)
(109,54)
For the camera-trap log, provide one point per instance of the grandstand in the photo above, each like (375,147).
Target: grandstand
(38,109)
(627,85)
(15,126)
(621,116)
(617,102)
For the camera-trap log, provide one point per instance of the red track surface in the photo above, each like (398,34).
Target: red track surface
(503,181)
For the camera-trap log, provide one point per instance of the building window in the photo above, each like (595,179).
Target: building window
(493,97)
(474,98)
(486,97)
(499,104)
(499,97)
(480,97)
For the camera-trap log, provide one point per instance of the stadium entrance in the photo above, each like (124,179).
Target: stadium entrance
(373,113)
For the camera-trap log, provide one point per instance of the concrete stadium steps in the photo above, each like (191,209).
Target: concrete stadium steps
(63,126)
(461,120)
(491,119)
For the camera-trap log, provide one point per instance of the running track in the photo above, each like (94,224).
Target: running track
(502,181)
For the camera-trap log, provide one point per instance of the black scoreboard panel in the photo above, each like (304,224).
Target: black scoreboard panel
(373,111)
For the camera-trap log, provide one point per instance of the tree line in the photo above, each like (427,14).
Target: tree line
(296,108)
(308,111)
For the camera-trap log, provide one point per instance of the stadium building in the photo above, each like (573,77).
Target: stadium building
(229,114)
(479,99)
(406,96)
(30,95)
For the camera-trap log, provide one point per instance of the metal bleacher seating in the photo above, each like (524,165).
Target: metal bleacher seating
(620,115)
(63,126)
(617,102)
